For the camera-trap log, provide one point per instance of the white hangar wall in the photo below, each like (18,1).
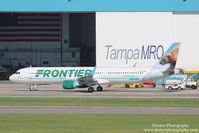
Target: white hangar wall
(143,30)
(186,26)
(131,30)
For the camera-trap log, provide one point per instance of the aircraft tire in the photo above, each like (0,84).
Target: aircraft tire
(90,89)
(99,88)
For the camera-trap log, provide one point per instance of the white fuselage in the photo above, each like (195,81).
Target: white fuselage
(72,77)
(52,75)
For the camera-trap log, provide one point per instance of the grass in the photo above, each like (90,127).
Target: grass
(89,123)
(116,102)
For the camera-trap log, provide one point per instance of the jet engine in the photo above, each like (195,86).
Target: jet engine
(70,84)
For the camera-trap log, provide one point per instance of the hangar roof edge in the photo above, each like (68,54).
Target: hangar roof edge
(98,5)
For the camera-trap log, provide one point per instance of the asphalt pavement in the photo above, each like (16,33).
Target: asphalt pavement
(9,89)
(97,110)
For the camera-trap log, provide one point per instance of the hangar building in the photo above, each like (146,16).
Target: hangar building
(100,32)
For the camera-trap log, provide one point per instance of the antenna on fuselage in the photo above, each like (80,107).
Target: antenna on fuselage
(135,65)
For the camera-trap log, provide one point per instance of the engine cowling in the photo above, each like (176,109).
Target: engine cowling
(69,84)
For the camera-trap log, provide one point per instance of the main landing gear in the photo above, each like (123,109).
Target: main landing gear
(91,89)
(32,87)
(99,88)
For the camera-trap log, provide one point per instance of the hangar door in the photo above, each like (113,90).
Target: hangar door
(46,39)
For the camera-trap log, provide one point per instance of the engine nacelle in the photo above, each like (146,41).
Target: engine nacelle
(69,84)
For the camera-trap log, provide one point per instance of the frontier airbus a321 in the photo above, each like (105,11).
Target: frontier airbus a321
(81,77)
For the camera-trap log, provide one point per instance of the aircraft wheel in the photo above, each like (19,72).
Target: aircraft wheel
(99,88)
(90,89)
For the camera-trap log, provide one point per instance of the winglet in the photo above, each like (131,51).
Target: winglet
(94,70)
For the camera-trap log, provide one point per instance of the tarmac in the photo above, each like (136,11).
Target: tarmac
(96,110)
(10,89)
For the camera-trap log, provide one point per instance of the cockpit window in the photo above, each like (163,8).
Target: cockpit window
(17,73)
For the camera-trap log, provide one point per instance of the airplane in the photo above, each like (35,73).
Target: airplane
(82,77)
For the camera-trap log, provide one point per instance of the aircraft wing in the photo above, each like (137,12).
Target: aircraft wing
(87,81)
(90,80)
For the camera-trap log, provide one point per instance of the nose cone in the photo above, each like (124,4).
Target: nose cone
(11,78)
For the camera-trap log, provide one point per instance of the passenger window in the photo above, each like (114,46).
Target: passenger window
(17,73)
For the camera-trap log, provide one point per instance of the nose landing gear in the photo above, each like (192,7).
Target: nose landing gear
(32,87)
